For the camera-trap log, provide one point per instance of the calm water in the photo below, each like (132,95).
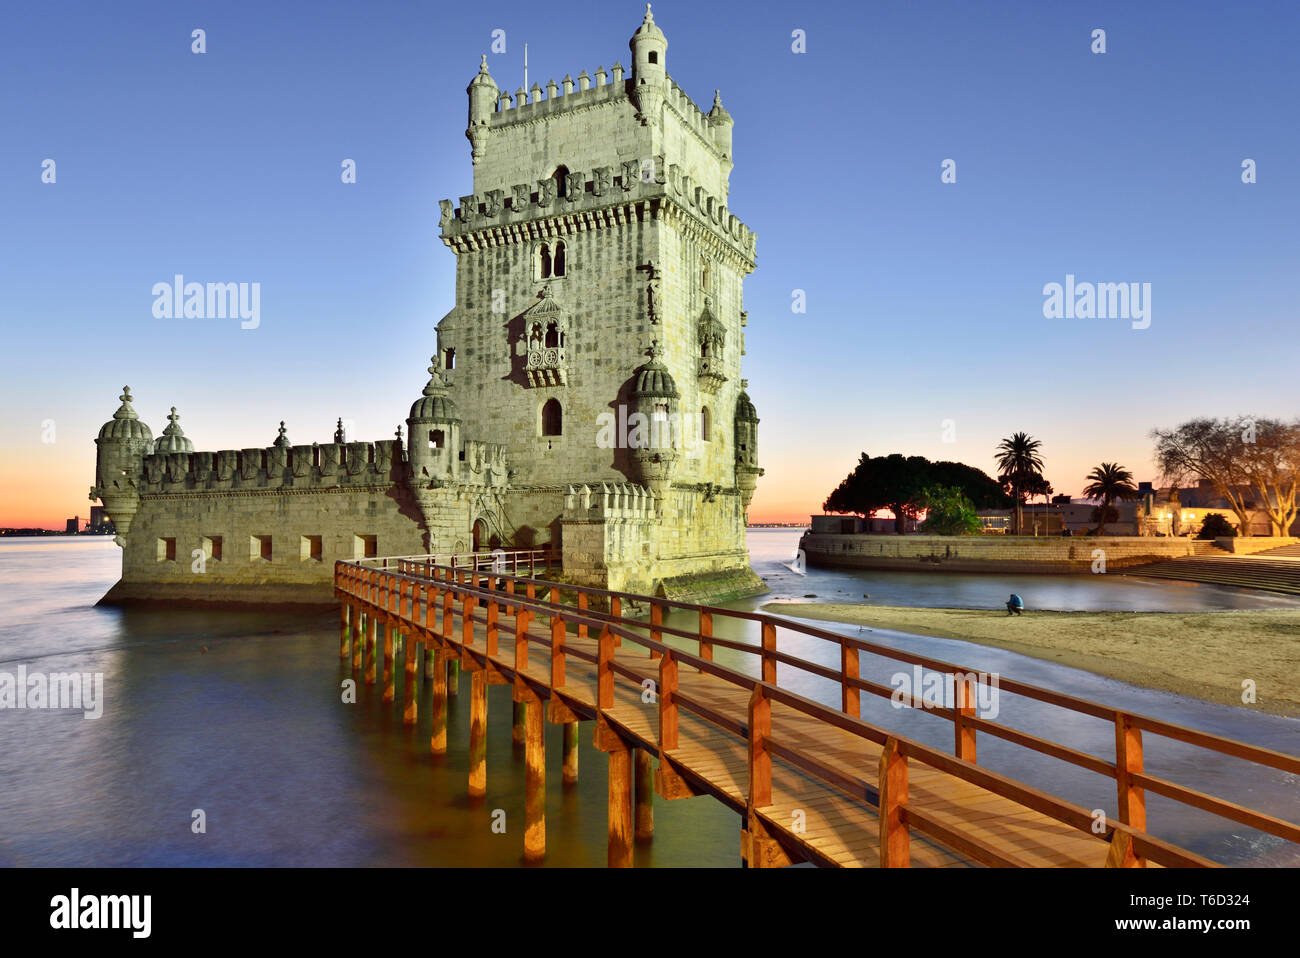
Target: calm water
(254,732)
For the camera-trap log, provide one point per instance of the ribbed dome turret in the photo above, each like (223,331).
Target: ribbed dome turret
(745,411)
(648,28)
(173,439)
(435,405)
(653,378)
(125,424)
(719,113)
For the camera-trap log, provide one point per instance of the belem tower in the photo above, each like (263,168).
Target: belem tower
(585,392)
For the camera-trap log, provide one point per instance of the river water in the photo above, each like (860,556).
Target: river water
(239,714)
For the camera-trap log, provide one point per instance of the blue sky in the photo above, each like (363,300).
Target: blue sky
(924,299)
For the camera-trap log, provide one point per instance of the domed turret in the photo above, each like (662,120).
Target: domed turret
(483,95)
(123,443)
(721,124)
(746,425)
(655,397)
(172,439)
(433,455)
(649,69)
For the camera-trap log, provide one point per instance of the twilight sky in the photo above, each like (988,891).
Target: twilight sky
(924,299)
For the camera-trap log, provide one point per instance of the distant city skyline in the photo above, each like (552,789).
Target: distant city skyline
(928,327)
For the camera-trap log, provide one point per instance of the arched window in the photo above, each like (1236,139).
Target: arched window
(561,177)
(704,274)
(436,439)
(544,261)
(553,338)
(449,358)
(654,56)
(552,418)
(706,424)
(559,258)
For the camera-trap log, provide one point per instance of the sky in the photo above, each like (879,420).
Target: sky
(924,331)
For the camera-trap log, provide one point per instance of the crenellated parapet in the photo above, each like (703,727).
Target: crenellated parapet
(315,466)
(608,501)
(605,196)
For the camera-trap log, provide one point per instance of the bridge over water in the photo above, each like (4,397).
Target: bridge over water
(812,783)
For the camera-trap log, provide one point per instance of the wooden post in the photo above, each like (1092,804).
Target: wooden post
(656,622)
(438,741)
(345,635)
(1128,760)
(668,702)
(570,773)
(760,760)
(493,611)
(359,639)
(850,696)
(388,661)
(769,646)
(582,607)
(620,808)
(604,670)
(409,701)
(558,633)
(453,677)
(706,633)
(645,797)
(895,841)
(534,781)
(964,700)
(372,639)
(478,733)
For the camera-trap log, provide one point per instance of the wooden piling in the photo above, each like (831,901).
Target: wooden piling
(645,796)
(438,740)
(570,774)
(534,781)
(620,808)
(453,677)
(517,731)
(388,662)
(372,637)
(345,634)
(359,640)
(409,701)
(478,733)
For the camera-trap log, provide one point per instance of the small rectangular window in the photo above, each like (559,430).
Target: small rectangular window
(365,547)
(310,549)
(259,548)
(167,550)
(212,548)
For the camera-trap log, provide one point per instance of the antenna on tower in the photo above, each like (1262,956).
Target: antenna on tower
(525,67)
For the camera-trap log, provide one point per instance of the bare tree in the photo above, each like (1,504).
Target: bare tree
(1271,461)
(1212,449)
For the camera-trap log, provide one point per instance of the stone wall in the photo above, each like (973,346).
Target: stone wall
(1251,544)
(992,553)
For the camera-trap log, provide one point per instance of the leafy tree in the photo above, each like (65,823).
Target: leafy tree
(1108,482)
(1019,466)
(948,512)
(1216,526)
(896,482)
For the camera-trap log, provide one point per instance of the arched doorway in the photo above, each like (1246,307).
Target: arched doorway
(480,536)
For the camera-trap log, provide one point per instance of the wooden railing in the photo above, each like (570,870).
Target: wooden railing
(398,585)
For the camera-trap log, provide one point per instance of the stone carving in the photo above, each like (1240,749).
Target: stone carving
(651,269)
(522,194)
(573,183)
(600,180)
(448,213)
(546,191)
(631,173)
(492,203)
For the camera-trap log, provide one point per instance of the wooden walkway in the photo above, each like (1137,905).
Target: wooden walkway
(812,783)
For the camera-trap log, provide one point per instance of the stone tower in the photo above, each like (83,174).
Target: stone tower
(599,225)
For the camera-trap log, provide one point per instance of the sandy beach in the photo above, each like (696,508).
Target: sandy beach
(1203,654)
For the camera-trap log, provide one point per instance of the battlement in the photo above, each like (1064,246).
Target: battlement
(275,467)
(608,500)
(606,187)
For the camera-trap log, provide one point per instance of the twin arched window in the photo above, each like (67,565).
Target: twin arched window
(550,260)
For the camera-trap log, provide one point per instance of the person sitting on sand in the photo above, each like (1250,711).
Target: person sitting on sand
(1015,605)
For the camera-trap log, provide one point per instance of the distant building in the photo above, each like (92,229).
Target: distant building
(73,525)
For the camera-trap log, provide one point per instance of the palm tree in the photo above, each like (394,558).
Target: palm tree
(1018,461)
(1108,482)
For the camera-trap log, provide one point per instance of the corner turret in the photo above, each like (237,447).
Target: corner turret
(721,124)
(746,425)
(120,449)
(483,95)
(655,397)
(649,68)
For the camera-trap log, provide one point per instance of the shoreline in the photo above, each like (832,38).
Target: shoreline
(1149,649)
